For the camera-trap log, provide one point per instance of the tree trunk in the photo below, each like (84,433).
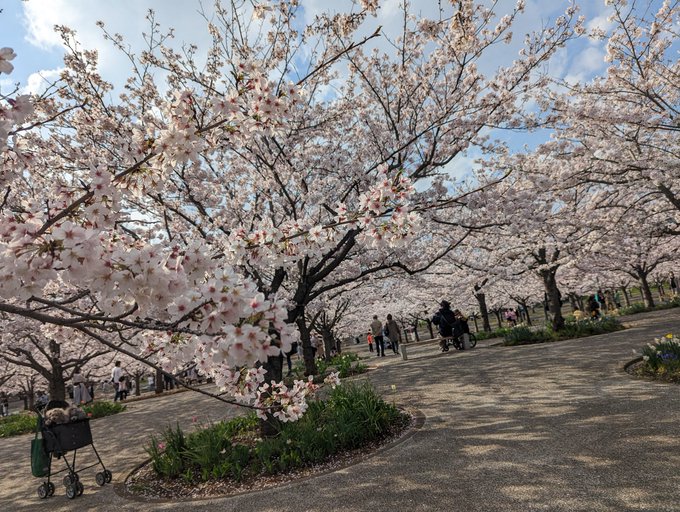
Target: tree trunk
(626,298)
(474,319)
(56,386)
(483,311)
(429,328)
(159,382)
(572,302)
(307,352)
(328,343)
(553,294)
(526,313)
(498,318)
(273,367)
(415,329)
(138,384)
(645,289)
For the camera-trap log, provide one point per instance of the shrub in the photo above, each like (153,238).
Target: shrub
(496,333)
(350,417)
(16,424)
(345,364)
(589,327)
(641,308)
(103,408)
(523,335)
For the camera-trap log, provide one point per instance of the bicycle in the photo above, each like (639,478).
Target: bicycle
(457,341)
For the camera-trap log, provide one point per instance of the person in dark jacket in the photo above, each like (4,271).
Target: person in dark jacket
(445,320)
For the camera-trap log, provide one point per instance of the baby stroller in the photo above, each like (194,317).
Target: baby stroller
(60,439)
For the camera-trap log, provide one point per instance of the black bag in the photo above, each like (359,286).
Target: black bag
(40,459)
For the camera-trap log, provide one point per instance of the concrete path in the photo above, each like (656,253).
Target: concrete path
(552,427)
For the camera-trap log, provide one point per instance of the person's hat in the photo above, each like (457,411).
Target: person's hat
(445,304)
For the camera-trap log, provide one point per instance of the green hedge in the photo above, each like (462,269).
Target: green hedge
(523,335)
(641,308)
(351,417)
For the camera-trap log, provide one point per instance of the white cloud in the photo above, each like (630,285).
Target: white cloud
(126,17)
(601,22)
(38,82)
(461,167)
(586,64)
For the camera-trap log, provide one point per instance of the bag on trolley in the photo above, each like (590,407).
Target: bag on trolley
(40,459)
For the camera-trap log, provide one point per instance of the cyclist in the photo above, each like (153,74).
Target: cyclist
(445,320)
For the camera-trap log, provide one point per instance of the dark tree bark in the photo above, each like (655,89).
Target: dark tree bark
(415,330)
(56,386)
(554,302)
(270,427)
(159,382)
(483,311)
(626,298)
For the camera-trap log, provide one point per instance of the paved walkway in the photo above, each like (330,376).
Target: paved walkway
(552,427)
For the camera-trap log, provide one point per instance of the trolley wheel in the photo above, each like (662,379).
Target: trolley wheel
(43,491)
(108,476)
(79,488)
(71,491)
(100,478)
(71,479)
(50,489)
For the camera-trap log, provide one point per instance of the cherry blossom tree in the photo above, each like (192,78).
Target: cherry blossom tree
(36,349)
(195,215)
(620,132)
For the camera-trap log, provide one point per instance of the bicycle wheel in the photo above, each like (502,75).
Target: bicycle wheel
(473,340)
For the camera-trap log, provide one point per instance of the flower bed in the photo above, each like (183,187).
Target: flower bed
(232,455)
(660,360)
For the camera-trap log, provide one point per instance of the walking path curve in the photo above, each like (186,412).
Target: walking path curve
(551,427)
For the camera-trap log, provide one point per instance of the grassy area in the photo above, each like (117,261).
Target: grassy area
(26,421)
(522,335)
(349,418)
(641,308)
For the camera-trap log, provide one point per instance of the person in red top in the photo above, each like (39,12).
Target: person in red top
(369,338)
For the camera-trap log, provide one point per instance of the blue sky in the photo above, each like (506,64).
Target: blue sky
(26,26)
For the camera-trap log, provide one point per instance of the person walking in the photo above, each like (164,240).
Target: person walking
(393,333)
(4,405)
(123,388)
(80,393)
(444,319)
(314,342)
(593,307)
(116,374)
(376,330)
(674,284)
(369,339)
